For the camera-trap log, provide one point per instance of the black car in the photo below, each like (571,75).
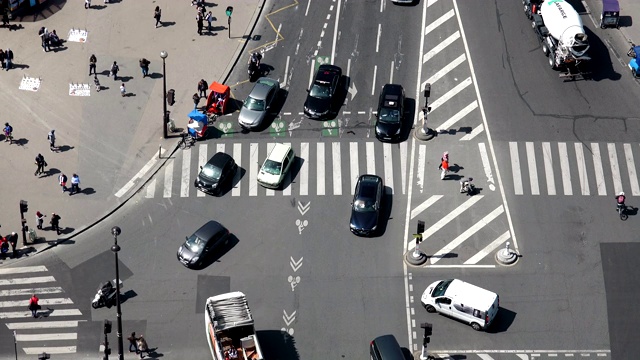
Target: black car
(220,169)
(365,208)
(390,113)
(321,98)
(198,246)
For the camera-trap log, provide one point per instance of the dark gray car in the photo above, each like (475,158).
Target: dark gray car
(259,103)
(202,243)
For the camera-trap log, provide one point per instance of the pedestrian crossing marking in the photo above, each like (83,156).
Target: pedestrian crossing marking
(27,314)
(287,184)
(445,70)
(23,270)
(582,170)
(42,325)
(202,161)
(476,130)
(615,170)
(488,249)
(56,301)
(631,166)
(304,169)
(564,167)
(253,169)
(450,216)
(425,205)
(33,280)
(26,292)
(270,146)
(47,337)
(184,179)
(441,46)
(50,350)
(237,156)
(337,170)
(597,164)
(354,165)
(320,169)
(403,165)
(168,179)
(458,116)
(441,20)
(371,160)
(388,168)
(515,168)
(450,94)
(422,159)
(548,168)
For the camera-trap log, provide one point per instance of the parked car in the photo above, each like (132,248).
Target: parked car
(366,205)
(276,166)
(217,172)
(202,243)
(320,102)
(390,114)
(258,104)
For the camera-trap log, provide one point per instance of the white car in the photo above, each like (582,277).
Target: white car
(275,166)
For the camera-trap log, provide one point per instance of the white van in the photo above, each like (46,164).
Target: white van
(463,301)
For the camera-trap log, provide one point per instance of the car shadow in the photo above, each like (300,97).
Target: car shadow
(218,253)
(231,183)
(504,319)
(293,171)
(386,207)
(409,114)
(237,177)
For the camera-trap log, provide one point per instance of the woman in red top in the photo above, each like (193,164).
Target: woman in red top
(33,305)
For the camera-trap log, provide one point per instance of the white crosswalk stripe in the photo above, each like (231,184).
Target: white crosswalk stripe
(605,173)
(55,330)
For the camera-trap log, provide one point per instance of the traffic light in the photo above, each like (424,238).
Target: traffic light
(420,228)
(107,327)
(171,97)
(23,206)
(229,10)
(427,90)
(428,331)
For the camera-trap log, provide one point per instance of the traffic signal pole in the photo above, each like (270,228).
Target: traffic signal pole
(23,221)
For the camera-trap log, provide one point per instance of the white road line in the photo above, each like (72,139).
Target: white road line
(335,33)
(378,37)
(31,280)
(466,234)
(597,165)
(458,116)
(25,303)
(286,72)
(391,72)
(441,46)
(253,169)
(533,170)
(371,159)
(451,93)
(50,350)
(425,205)
(320,188)
(337,169)
(168,179)
(348,66)
(475,132)
(304,169)
(488,249)
(43,325)
(23,270)
(450,216)
(27,314)
(39,291)
(237,156)
(403,165)
(270,146)
(422,159)
(564,168)
(431,2)
(46,337)
(445,70)
(373,83)
(631,169)
(388,168)
(582,169)
(307,10)
(486,165)
(203,150)
(151,189)
(439,21)
(548,168)
(515,168)
(286,190)
(313,65)
(615,168)
(186,167)
(353,165)
(140,173)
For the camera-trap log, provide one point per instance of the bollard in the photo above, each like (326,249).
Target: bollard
(160,151)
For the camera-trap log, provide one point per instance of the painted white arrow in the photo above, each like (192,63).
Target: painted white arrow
(289,319)
(352,90)
(303,208)
(295,265)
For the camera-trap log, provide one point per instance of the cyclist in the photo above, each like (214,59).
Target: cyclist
(620,198)
(8,131)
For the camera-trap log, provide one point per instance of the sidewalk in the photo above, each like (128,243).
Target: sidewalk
(105,138)
(629,27)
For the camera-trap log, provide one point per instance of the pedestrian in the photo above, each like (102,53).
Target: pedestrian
(202,11)
(62,180)
(39,220)
(202,88)
(44,36)
(143,347)
(133,343)
(444,166)
(196,100)
(33,305)
(75,184)
(114,71)
(209,19)
(8,59)
(144,65)
(55,222)
(2,57)
(87,4)
(13,241)
(157,13)
(92,64)
(123,90)
(200,23)
(8,133)
(4,246)
(5,18)
(52,140)
(41,165)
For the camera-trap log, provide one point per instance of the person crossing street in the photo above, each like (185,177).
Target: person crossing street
(75,184)
(55,223)
(41,165)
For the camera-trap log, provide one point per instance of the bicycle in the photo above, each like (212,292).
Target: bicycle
(622,211)
(187,141)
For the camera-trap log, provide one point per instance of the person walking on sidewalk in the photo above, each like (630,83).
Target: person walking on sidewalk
(114,71)
(209,19)
(52,140)
(202,88)
(133,343)
(144,65)
(92,64)
(157,14)
(4,247)
(123,90)
(33,305)
(87,4)
(8,59)
(75,184)
(13,241)
(196,100)
(200,22)
(143,347)
(62,180)
(2,57)
(39,220)
(41,165)
(55,222)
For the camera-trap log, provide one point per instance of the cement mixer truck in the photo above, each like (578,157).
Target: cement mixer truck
(562,37)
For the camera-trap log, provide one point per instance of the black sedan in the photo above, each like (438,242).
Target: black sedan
(220,169)
(321,98)
(365,208)
(198,246)
(390,113)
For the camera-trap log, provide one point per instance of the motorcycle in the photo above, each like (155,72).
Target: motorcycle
(634,63)
(253,68)
(106,295)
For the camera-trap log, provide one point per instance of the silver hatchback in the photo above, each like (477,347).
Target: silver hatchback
(259,103)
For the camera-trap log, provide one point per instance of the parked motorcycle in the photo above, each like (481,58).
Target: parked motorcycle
(106,295)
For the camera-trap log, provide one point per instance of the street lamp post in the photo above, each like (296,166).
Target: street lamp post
(165,118)
(115,231)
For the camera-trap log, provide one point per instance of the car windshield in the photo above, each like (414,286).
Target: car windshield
(211,172)
(254,104)
(194,244)
(272,167)
(321,91)
(364,206)
(389,115)
(269,82)
(441,288)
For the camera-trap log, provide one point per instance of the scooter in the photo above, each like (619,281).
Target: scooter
(254,65)
(106,295)
(467,187)
(634,53)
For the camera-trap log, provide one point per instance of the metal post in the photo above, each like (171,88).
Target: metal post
(229,27)
(106,347)
(416,250)
(115,231)
(425,109)
(163,55)
(23,221)
(15,343)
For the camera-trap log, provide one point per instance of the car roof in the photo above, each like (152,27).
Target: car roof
(391,95)
(260,91)
(209,229)
(473,295)
(219,159)
(278,152)
(326,73)
(368,184)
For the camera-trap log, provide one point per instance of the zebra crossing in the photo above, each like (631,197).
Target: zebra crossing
(55,330)
(322,168)
(518,354)
(562,168)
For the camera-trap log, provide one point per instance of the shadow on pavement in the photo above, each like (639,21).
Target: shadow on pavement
(277,344)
